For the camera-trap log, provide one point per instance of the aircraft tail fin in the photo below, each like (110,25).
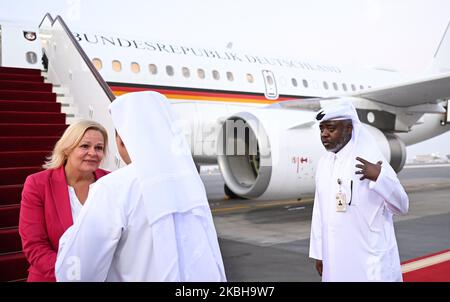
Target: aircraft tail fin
(441,59)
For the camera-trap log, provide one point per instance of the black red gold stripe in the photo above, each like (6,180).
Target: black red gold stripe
(196,94)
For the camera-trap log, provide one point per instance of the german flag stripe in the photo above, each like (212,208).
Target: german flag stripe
(181,93)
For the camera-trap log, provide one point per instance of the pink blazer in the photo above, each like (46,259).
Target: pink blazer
(45,215)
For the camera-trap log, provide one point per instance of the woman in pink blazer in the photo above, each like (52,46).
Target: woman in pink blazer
(51,199)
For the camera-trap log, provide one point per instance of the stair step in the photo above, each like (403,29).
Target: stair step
(27,143)
(60,90)
(10,240)
(9,129)
(23,158)
(14,95)
(22,77)
(9,216)
(30,106)
(10,194)
(16,70)
(24,86)
(18,117)
(13,266)
(31,122)
(16,175)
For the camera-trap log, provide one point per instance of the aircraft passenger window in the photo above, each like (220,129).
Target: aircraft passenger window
(344,86)
(230,76)
(216,75)
(353,87)
(185,71)
(201,73)
(305,83)
(97,63)
(152,68)
(369,86)
(135,68)
(361,86)
(31,57)
(294,82)
(335,86)
(169,70)
(250,78)
(325,85)
(116,65)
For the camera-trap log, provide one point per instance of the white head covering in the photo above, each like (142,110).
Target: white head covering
(185,240)
(362,144)
(343,109)
(339,110)
(159,152)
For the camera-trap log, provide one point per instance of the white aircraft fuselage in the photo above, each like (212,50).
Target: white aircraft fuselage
(274,98)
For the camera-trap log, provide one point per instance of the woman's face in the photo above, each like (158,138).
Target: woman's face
(86,157)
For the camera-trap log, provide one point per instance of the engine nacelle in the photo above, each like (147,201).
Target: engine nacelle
(392,147)
(273,154)
(270,153)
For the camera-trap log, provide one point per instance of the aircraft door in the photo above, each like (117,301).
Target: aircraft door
(271,91)
(19,47)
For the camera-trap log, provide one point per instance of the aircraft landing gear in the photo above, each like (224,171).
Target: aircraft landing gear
(230,194)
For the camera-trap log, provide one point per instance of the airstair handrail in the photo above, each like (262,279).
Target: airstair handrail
(47,16)
(80,50)
(83,92)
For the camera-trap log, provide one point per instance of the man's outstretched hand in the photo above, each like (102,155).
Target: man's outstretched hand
(368,170)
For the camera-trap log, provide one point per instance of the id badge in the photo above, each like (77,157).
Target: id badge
(341,202)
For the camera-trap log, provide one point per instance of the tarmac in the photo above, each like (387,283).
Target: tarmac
(269,240)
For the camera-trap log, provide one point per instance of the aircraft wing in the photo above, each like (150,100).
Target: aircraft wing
(430,90)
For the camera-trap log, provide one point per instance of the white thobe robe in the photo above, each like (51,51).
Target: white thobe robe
(112,239)
(359,244)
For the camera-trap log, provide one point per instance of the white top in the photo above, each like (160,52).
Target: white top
(75,204)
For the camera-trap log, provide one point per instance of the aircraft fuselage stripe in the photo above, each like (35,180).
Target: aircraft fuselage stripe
(199,94)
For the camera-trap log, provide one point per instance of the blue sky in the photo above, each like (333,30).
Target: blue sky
(401,35)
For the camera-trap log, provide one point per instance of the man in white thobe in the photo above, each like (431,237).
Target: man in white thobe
(357,193)
(148,221)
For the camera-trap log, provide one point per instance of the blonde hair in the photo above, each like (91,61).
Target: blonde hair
(70,140)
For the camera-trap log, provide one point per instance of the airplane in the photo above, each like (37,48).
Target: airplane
(253,115)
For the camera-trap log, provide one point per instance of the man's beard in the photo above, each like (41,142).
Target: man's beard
(336,147)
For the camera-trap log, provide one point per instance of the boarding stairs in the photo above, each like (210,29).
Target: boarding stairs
(31,121)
